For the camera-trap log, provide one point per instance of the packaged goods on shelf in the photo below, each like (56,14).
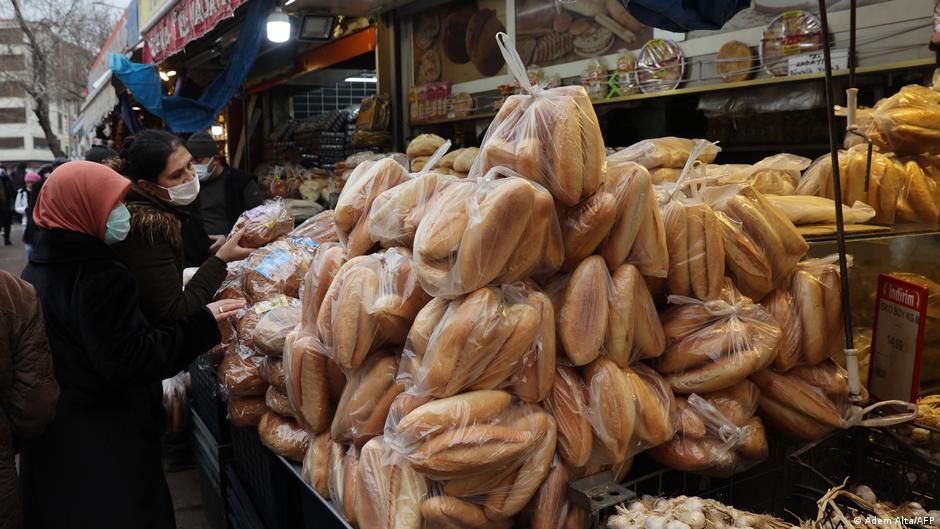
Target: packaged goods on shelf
(319,227)
(277,401)
(313,382)
(271,370)
(354,203)
(667,152)
(716,344)
(316,465)
(343,480)
(806,209)
(717,432)
(277,268)
(283,436)
(272,329)
(263,224)
(905,123)
(389,491)
(246,411)
(327,260)
(368,394)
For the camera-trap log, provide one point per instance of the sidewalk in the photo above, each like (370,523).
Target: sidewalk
(12,259)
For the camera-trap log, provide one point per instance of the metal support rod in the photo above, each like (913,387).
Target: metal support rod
(852,55)
(836,182)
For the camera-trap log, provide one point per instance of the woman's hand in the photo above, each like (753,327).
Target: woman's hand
(231,251)
(226,308)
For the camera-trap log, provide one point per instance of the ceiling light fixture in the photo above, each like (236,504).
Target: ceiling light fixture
(217,130)
(361,80)
(278,26)
(135,107)
(164,77)
(171,73)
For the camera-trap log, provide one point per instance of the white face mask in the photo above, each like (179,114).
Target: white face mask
(183,194)
(118,225)
(202,170)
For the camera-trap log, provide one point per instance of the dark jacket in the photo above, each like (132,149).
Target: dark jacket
(28,390)
(153,251)
(99,463)
(7,193)
(241,193)
(29,234)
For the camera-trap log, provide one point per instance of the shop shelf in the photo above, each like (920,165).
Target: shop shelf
(318,512)
(269,485)
(869,456)
(204,390)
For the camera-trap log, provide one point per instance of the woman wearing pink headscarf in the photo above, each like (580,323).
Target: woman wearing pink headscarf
(99,462)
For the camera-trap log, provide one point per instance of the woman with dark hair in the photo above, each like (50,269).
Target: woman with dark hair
(98,462)
(164,185)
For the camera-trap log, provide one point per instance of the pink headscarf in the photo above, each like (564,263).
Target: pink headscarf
(32,177)
(79,196)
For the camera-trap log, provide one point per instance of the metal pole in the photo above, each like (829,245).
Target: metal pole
(836,182)
(851,43)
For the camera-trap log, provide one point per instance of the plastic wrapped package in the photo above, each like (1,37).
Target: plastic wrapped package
(549,507)
(355,202)
(660,66)
(313,383)
(919,200)
(761,245)
(316,465)
(533,381)
(323,268)
(611,410)
(669,151)
(806,209)
(367,396)
(271,370)
(176,401)
(567,403)
(283,436)
(446,512)
(240,376)
(634,331)
(717,434)
(480,342)
(263,224)
(715,344)
(389,491)
(483,231)
(806,402)
(479,433)
(343,480)
(656,420)
(244,412)
(581,315)
(231,287)
(397,212)
(372,301)
(907,122)
(778,174)
(272,329)
(790,33)
(250,318)
(549,136)
(585,226)
(278,268)
(276,401)
(320,227)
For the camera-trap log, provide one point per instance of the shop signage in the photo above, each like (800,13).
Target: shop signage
(897,340)
(815,62)
(185,22)
(116,43)
(150,11)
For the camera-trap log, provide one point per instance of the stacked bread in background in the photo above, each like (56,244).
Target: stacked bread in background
(487,339)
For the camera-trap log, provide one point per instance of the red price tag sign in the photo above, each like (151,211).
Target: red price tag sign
(897,340)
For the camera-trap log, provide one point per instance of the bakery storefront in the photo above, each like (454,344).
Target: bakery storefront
(598,269)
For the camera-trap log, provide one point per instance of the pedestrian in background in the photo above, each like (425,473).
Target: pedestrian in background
(7,202)
(28,389)
(33,183)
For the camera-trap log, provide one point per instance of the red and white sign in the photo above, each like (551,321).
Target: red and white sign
(897,340)
(185,22)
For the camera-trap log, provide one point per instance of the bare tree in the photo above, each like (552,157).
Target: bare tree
(62,40)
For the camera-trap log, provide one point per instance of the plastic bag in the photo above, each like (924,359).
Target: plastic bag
(272,329)
(634,331)
(567,403)
(655,422)
(244,412)
(278,268)
(611,410)
(715,344)
(263,224)
(761,245)
(277,402)
(271,371)
(313,383)
(549,136)
(907,122)
(480,342)
(919,199)
(354,203)
(240,376)
(316,466)
(176,401)
(372,301)
(533,381)
(484,231)
(343,481)
(323,268)
(367,396)
(478,433)
(250,317)
(397,212)
(283,436)
(320,227)
(804,209)
(806,402)
(669,151)
(389,491)
(718,433)
(581,315)
(778,174)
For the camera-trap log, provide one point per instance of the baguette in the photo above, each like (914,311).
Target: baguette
(677,242)
(353,328)
(755,445)
(567,402)
(790,422)
(582,320)
(621,322)
(469,450)
(534,381)
(503,504)
(789,349)
(748,265)
(592,143)
(706,253)
(316,468)
(447,512)
(389,492)
(540,249)
(737,403)
(439,233)
(799,396)
(713,376)
(548,505)
(827,376)
(793,243)
(307,386)
(764,235)
(831,285)
(277,402)
(586,226)
(326,263)
(524,323)
(452,412)
(693,455)
(624,232)
(707,345)
(611,406)
(366,399)
(653,404)
(689,423)
(650,253)
(567,159)
(810,305)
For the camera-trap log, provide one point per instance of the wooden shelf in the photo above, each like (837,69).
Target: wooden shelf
(765,81)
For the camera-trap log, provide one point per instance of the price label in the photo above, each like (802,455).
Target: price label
(897,340)
(815,62)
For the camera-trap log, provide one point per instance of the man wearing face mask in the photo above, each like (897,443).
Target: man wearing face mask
(226,192)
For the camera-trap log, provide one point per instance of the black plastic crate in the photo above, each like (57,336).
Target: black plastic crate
(241,512)
(869,456)
(267,482)
(206,402)
(316,511)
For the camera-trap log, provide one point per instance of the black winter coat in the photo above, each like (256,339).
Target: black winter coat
(99,462)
